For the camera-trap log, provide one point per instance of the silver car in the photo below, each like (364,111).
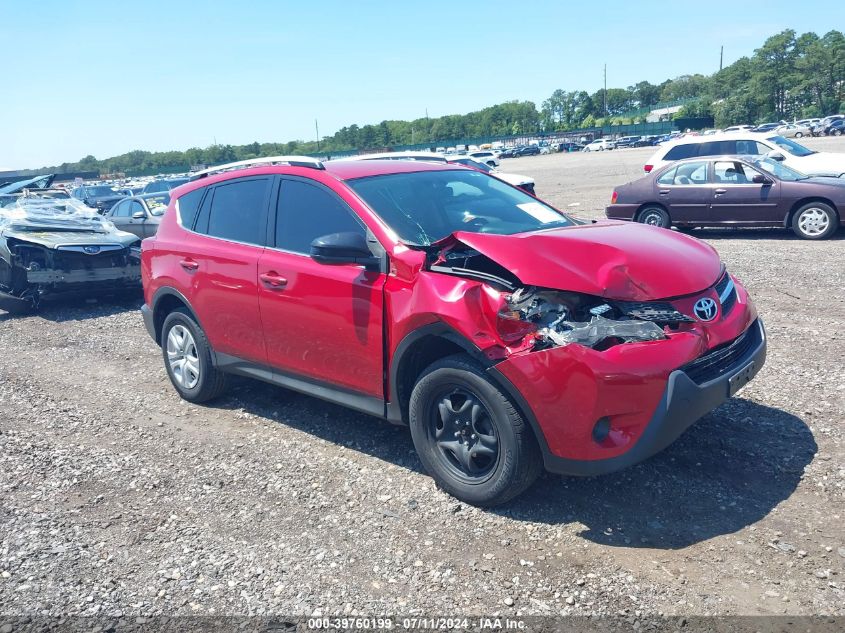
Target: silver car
(794,130)
(140,215)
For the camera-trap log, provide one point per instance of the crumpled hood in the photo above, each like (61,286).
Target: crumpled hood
(53,239)
(615,260)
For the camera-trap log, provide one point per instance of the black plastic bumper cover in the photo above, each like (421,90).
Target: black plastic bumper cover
(147,313)
(683,403)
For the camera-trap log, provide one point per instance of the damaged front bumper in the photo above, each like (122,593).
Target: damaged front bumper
(595,417)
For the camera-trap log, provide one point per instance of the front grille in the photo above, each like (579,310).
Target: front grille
(726,290)
(69,260)
(659,312)
(723,358)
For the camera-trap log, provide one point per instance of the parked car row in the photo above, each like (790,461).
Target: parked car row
(740,179)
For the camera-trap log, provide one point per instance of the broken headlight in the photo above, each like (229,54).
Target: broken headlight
(560,318)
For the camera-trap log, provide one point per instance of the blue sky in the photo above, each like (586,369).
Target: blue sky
(104,78)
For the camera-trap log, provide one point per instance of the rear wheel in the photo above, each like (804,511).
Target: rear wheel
(187,358)
(799,134)
(655,216)
(815,221)
(469,435)
(837,132)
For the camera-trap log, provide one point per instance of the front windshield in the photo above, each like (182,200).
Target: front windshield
(157,204)
(424,207)
(796,149)
(102,191)
(779,170)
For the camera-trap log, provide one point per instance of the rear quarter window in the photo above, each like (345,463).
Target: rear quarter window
(187,207)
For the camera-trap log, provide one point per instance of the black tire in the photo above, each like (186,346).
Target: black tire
(799,134)
(655,216)
(815,221)
(498,479)
(210,382)
(837,132)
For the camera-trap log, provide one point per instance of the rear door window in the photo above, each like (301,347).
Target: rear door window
(237,211)
(750,148)
(694,173)
(717,148)
(680,152)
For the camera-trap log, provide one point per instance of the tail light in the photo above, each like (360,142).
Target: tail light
(647,168)
(613,197)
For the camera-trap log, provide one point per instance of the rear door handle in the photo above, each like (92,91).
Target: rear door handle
(719,192)
(664,192)
(273,280)
(189,264)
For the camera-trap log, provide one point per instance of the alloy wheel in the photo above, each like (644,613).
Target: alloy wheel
(813,222)
(464,435)
(182,357)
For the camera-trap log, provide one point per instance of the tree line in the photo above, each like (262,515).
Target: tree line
(788,77)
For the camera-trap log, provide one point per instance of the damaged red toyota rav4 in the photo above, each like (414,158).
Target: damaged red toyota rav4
(507,335)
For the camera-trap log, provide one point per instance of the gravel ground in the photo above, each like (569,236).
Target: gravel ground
(117,498)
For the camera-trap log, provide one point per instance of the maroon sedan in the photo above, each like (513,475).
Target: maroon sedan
(733,191)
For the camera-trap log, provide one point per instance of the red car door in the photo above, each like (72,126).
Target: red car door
(224,251)
(322,322)
(738,200)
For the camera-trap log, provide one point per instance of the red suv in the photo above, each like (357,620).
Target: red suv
(509,336)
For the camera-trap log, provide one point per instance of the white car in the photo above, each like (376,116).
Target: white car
(737,128)
(792,154)
(525,183)
(486,156)
(599,145)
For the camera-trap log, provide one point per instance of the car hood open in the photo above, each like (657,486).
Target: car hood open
(615,260)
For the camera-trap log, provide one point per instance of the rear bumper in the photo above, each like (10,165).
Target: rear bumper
(621,211)
(645,415)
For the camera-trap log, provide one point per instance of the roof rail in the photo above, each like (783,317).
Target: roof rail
(294,161)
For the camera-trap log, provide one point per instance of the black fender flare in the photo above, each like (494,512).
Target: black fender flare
(443,330)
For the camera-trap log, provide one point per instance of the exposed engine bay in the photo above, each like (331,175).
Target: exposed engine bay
(561,318)
(555,317)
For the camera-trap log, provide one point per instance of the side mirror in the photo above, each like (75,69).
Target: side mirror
(342,248)
(760,179)
(139,215)
(774,155)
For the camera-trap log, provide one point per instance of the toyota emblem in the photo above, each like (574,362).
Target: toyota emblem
(705,309)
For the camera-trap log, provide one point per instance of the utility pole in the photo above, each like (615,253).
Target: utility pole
(721,57)
(317,127)
(605,90)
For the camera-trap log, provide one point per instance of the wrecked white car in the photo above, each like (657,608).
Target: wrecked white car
(53,247)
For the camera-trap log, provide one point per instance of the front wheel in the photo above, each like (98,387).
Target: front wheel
(469,435)
(655,216)
(798,134)
(837,132)
(815,221)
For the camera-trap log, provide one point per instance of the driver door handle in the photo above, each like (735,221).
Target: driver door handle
(273,280)
(719,192)
(664,192)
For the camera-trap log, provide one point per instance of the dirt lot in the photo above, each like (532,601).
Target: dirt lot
(118,498)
